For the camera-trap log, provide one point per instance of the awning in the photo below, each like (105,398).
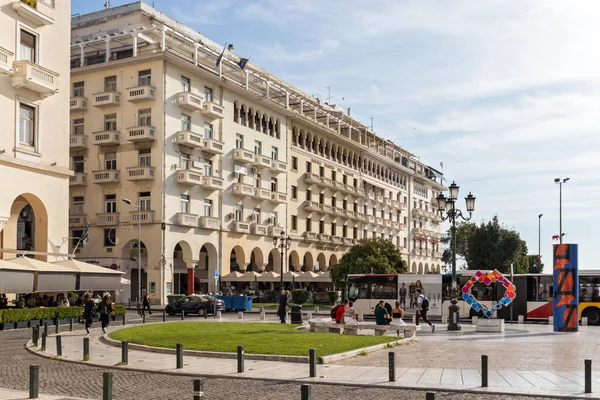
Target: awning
(50,277)
(289,276)
(236,276)
(15,278)
(93,277)
(308,276)
(269,277)
(232,277)
(323,276)
(249,276)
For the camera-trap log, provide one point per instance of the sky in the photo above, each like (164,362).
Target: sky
(506,93)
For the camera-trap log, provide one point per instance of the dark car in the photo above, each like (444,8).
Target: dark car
(195,304)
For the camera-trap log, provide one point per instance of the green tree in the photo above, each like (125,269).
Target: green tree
(377,256)
(536,266)
(488,246)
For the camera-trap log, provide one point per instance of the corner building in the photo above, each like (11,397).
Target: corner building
(217,160)
(34,155)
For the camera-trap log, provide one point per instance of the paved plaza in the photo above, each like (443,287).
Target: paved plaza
(525,360)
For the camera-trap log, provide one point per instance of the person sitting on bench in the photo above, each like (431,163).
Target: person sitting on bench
(381,315)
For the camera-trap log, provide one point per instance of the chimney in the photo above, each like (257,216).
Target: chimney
(349,111)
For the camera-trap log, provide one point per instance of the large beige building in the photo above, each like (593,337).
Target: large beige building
(34,117)
(216,160)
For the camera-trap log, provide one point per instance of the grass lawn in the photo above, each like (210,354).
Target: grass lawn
(257,338)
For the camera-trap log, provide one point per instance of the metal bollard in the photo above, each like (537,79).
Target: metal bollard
(86,349)
(143,317)
(58,345)
(219,315)
(34,379)
(305,392)
(444,319)
(240,359)
(70,324)
(107,386)
(392,366)
(124,352)
(179,355)
(262,315)
(588,376)
(312,361)
(46,328)
(484,371)
(164,316)
(44,336)
(182,315)
(123,319)
(198,390)
(34,335)
(57,327)
(429,396)
(520,319)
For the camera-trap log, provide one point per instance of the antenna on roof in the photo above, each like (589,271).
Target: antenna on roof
(371,118)
(107,4)
(329,97)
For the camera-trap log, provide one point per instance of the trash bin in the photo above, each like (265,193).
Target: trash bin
(296,314)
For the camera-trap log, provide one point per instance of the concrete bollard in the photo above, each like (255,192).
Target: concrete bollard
(70,324)
(312,361)
(143,317)
(182,315)
(309,315)
(219,316)
(584,321)
(123,319)
(588,376)
(179,354)
(474,320)
(484,371)
(124,352)
(241,315)
(316,309)
(107,386)
(262,315)
(240,359)
(521,319)
(198,390)
(34,379)
(550,320)
(46,328)
(414,319)
(58,345)
(86,349)
(445,319)
(392,366)
(57,327)
(305,392)
(361,317)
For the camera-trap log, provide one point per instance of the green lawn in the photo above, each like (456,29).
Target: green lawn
(257,338)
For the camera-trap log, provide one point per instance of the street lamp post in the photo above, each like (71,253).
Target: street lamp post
(560,183)
(283,244)
(127,201)
(452,213)
(540,243)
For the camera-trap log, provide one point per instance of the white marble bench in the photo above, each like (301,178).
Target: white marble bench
(409,331)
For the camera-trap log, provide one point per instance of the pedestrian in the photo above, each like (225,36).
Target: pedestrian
(397,314)
(350,316)
(340,312)
(106,310)
(146,302)
(89,309)
(403,295)
(381,315)
(422,308)
(282,306)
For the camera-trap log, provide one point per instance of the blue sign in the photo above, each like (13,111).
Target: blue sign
(216,274)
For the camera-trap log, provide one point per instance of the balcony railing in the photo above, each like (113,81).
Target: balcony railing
(243,156)
(78,104)
(348,241)
(143,217)
(310,206)
(78,142)
(312,178)
(325,208)
(140,173)
(241,227)
(189,177)
(327,182)
(189,139)
(140,133)
(278,198)
(106,99)
(212,183)
(106,138)
(274,230)
(77,220)
(190,101)
(108,218)
(212,111)
(336,239)
(323,237)
(350,214)
(79,179)
(370,219)
(262,194)
(187,219)
(278,166)
(35,78)
(371,196)
(258,229)
(6,61)
(105,176)
(140,93)
(35,12)
(210,223)
(261,161)
(212,146)
(242,189)
(310,236)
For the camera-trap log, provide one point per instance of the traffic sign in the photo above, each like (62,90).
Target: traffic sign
(216,274)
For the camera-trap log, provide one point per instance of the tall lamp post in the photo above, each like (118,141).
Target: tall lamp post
(127,201)
(539,243)
(452,213)
(560,183)
(283,244)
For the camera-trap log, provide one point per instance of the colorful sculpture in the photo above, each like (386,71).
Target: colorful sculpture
(566,288)
(488,278)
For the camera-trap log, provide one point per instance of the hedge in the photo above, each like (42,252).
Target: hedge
(29,314)
(299,296)
(268,296)
(119,309)
(333,297)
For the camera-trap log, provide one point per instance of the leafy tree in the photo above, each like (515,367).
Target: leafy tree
(377,256)
(536,266)
(488,246)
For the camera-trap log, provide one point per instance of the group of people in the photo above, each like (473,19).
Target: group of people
(382,315)
(103,311)
(412,290)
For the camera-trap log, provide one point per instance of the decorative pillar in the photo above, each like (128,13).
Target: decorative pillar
(107,55)
(287,100)
(268,89)
(566,288)
(135,38)
(196,55)
(190,280)
(82,55)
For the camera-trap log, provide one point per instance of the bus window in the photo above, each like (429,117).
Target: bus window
(588,288)
(383,287)
(532,288)
(545,288)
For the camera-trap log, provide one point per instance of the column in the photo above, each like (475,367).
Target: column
(190,279)
(135,45)
(107,55)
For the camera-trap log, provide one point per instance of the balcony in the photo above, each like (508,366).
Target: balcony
(140,133)
(350,214)
(79,179)
(106,99)
(310,206)
(379,198)
(78,104)
(143,217)
(35,78)
(189,177)
(370,219)
(209,223)
(395,204)
(379,221)
(105,176)
(258,229)
(242,189)
(243,156)
(186,219)
(106,138)
(419,232)
(241,227)
(212,146)
(387,201)
(371,196)
(327,182)
(108,219)
(77,220)
(360,193)
(311,178)
(278,198)
(261,161)
(140,173)
(274,231)
(349,241)
(262,194)
(325,208)
(436,218)
(78,142)
(350,189)
(310,236)
(337,211)
(140,93)
(336,240)
(189,101)
(419,212)
(212,183)
(35,12)
(211,111)
(278,166)
(6,60)
(189,139)
(387,223)
(395,225)
(359,216)
(416,252)
(323,237)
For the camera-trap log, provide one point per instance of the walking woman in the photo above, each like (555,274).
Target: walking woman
(88,311)
(106,310)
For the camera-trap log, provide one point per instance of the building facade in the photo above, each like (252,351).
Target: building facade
(34,154)
(211,161)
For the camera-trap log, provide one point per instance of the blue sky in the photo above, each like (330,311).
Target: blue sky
(504,92)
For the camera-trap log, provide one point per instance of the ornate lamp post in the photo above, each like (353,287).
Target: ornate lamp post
(560,183)
(452,213)
(283,244)
(139,296)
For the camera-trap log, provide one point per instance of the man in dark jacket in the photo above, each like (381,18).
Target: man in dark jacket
(282,306)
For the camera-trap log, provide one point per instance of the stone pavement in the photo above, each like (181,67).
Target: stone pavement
(415,368)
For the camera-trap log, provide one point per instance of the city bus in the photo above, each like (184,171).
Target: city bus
(534,298)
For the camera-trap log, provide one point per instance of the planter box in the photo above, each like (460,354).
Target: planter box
(50,322)
(6,326)
(34,323)
(21,324)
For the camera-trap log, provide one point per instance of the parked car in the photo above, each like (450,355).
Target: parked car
(195,304)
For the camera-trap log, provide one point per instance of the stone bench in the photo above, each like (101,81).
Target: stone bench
(409,331)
